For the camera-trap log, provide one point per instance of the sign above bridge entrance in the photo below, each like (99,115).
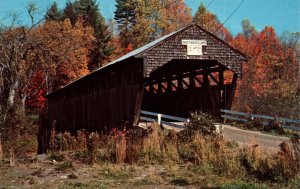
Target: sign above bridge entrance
(194,47)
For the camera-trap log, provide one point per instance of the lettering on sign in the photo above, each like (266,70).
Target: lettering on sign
(194,47)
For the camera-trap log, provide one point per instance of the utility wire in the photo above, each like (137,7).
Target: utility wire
(210,3)
(235,10)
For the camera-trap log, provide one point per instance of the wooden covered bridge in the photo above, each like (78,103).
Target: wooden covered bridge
(176,74)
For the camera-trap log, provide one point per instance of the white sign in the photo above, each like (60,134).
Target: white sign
(194,47)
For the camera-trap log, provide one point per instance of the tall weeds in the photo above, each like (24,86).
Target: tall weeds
(207,154)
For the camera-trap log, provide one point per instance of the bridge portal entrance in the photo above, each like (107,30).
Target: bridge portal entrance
(185,85)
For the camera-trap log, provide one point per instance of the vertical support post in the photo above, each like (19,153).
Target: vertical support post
(230,97)
(160,89)
(180,86)
(138,104)
(192,83)
(169,85)
(221,87)
(151,88)
(208,87)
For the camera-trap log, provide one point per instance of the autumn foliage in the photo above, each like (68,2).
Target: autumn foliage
(271,78)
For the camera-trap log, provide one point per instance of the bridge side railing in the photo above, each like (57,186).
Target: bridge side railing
(285,123)
(168,120)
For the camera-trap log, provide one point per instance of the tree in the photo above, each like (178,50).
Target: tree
(140,21)
(266,87)
(206,19)
(211,23)
(53,13)
(291,53)
(88,11)
(248,29)
(126,19)
(15,49)
(176,15)
(69,12)
(68,49)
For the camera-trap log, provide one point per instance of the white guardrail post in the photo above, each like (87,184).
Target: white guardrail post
(159,119)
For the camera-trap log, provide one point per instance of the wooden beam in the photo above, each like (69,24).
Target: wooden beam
(186,84)
(192,75)
(213,78)
(221,88)
(230,97)
(179,83)
(179,76)
(208,88)
(198,80)
(164,89)
(138,104)
(160,88)
(173,85)
(169,86)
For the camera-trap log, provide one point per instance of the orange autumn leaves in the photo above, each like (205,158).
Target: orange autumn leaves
(63,57)
(68,48)
(271,77)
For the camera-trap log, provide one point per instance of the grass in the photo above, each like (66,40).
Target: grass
(242,185)
(137,158)
(205,153)
(110,175)
(64,166)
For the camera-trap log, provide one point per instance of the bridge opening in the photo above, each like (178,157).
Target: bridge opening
(185,85)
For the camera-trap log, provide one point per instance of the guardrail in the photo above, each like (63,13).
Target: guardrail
(265,120)
(163,119)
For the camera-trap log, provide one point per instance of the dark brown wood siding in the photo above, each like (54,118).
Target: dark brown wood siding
(101,101)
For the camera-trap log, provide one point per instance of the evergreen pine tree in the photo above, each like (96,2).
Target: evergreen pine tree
(89,11)
(53,13)
(206,19)
(125,18)
(69,12)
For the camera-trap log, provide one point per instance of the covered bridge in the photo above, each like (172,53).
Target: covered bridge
(176,74)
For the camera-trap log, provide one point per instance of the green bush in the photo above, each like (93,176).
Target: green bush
(201,122)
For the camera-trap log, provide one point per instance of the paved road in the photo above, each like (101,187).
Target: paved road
(267,142)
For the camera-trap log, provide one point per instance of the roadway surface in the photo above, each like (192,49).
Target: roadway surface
(267,142)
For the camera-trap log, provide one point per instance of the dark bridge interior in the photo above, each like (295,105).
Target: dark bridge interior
(182,86)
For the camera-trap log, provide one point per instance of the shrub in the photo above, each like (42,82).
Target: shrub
(280,167)
(92,145)
(60,142)
(201,122)
(257,125)
(134,143)
(254,125)
(81,139)
(120,149)
(152,149)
